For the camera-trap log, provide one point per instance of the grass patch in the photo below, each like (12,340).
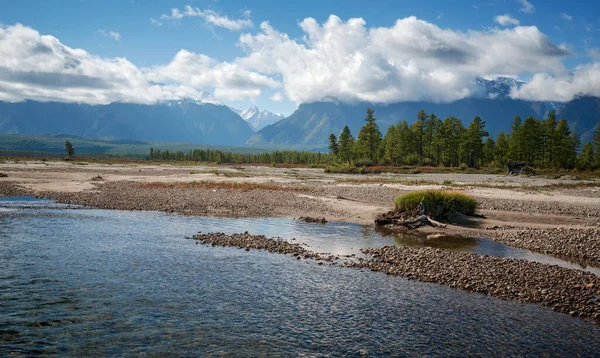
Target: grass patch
(440,204)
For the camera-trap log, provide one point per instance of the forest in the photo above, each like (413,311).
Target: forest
(548,143)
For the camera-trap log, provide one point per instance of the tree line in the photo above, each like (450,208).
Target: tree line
(546,143)
(218,156)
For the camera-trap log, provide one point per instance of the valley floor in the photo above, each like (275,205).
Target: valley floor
(558,217)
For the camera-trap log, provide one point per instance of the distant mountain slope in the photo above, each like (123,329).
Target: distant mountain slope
(583,115)
(192,121)
(258,119)
(312,123)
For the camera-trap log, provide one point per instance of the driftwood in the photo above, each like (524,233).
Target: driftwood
(412,224)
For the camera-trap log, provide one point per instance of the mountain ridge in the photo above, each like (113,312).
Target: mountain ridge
(258,119)
(200,121)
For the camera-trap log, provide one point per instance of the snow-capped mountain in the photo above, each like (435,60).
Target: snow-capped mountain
(498,87)
(258,119)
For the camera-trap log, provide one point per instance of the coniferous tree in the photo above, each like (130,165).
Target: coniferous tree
(404,143)
(333,145)
(69,149)
(418,129)
(391,146)
(530,140)
(489,150)
(564,145)
(587,158)
(369,138)
(474,142)
(549,140)
(515,150)
(345,145)
(596,145)
(502,149)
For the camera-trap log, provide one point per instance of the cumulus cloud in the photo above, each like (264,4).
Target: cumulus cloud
(526,6)
(412,60)
(230,80)
(566,16)
(211,17)
(41,68)
(506,20)
(546,87)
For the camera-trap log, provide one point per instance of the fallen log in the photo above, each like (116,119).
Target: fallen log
(410,224)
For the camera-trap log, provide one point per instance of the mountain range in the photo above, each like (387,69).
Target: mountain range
(206,121)
(258,119)
(201,121)
(310,125)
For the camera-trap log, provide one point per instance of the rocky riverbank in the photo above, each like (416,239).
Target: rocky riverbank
(570,291)
(576,244)
(564,290)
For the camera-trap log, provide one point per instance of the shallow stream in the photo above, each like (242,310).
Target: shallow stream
(100,282)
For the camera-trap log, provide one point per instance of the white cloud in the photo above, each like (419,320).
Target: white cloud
(526,6)
(412,60)
(347,60)
(230,80)
(156,22)
(566,16)
(277,97)
(545,87)
(41,68)
(211,17)
(113,34)
(506,20)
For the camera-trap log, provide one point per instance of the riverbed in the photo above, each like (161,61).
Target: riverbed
(83,281)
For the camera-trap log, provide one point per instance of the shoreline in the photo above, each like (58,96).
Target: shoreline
(564,223)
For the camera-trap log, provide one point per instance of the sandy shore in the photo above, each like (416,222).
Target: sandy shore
(558,217)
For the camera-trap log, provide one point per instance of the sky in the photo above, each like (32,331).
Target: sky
(280,54)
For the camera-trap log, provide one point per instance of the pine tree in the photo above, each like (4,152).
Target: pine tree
(391,146)
(515,151)
(596,145)
(489,149)
(369,138)
(345,145)
(502,149)
(418,128)
(333,145)
(474,142)
(69,149)
(587,159)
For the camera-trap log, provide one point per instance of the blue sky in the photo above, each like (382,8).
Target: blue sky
(273,73)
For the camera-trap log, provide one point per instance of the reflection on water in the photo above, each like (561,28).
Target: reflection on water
(455,243)
(105,283)
(480,246)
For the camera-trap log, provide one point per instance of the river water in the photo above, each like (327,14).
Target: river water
(80,282)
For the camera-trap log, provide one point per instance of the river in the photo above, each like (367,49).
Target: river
(79,281)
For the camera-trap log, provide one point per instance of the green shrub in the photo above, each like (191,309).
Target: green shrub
(364,162)
(463,166)
(439,204)
(343,169)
